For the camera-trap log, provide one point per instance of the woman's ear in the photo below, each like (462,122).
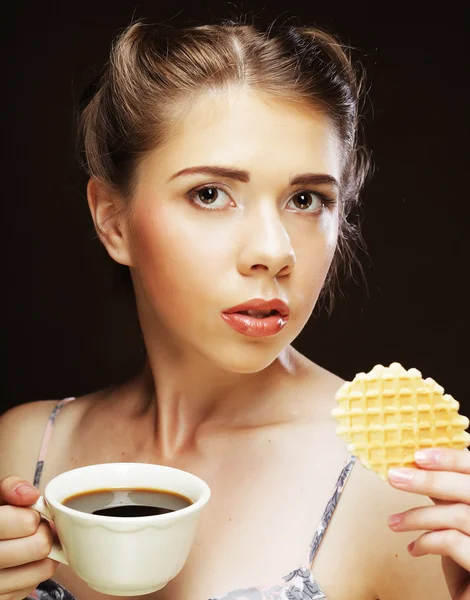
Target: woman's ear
(109,217)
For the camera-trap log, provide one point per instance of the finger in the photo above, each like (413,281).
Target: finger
(19,595)
(448,542)
(26,576)
(444,459)
(17,491)
(17,522)
(446,516)
(441,485)
(26,550)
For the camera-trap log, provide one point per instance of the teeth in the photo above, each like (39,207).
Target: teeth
(257,314)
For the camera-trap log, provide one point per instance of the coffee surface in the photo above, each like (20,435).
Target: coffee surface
(127,502)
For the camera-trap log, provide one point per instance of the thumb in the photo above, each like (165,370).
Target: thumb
(17,491)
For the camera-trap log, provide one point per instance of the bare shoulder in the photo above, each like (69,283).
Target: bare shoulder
(21,431)
(393,572)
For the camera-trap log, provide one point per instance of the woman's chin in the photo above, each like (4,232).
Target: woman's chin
(251,359)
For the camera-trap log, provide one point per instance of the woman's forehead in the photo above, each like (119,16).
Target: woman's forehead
(244,128)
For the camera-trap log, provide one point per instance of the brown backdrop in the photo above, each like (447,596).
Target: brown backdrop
(69,327)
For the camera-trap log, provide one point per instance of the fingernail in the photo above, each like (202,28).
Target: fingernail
(401,476)
(427,457)
(411,546)
(394,520)
(23,489)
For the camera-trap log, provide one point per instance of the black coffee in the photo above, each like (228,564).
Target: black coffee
(127,502)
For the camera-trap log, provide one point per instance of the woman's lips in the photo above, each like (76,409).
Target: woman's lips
(255,325)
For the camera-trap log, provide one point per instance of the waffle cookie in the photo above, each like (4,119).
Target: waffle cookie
(388,414)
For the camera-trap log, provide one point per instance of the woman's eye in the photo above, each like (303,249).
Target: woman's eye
(306,201)
(208,196)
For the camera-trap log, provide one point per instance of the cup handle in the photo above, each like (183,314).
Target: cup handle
(57,552)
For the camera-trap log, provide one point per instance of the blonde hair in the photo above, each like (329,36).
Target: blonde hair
(155,71)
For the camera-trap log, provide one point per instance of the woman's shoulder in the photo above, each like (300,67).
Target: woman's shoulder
(21,431)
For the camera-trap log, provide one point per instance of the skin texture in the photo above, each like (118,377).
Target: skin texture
(251,416)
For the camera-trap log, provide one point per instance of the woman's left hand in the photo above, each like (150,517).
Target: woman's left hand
(444,476)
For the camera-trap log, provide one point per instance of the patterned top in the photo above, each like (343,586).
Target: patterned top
(297,585)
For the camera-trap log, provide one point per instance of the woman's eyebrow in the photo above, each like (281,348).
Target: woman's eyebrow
(244,176)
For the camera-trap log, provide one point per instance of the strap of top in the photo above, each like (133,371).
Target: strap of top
(330,507)
(46,438)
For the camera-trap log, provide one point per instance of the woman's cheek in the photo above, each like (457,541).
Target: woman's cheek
(171,257)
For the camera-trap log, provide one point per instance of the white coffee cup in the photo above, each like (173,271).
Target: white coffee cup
(123,556)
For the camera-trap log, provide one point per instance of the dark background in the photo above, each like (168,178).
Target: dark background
(69,326)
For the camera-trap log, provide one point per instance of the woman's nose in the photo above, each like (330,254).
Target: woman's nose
(265,245)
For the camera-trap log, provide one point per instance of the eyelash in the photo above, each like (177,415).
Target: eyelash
(326,200)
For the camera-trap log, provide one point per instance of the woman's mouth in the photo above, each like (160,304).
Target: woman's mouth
(258,317)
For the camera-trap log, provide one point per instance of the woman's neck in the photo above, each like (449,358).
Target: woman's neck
(187,400)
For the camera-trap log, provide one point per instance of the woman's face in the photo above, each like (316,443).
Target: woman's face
(203,242)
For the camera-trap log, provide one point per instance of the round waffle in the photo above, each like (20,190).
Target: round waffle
(388,414)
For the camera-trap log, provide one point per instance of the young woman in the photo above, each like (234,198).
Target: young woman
(223,162)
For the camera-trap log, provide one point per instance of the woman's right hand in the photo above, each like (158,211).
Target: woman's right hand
(25,541)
